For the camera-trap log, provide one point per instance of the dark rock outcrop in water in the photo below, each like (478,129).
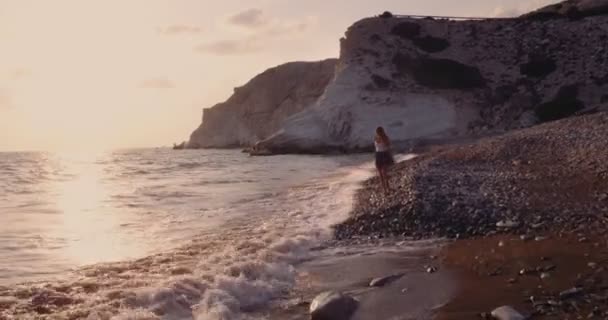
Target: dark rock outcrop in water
(179,146)
(550,177)
(260,107)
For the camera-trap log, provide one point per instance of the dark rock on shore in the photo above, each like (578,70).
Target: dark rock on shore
(507,313)
(381,282)
(543,178)
(332,306)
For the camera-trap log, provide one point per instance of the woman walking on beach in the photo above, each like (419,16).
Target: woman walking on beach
(384,157)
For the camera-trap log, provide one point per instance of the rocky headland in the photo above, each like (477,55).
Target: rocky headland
(259,108)
(424,80)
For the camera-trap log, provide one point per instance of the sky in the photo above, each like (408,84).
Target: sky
(104,74)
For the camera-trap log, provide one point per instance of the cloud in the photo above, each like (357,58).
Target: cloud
(258,22)
(157,83)
(179,29)
(289,28)
(250,18)
(261,29)
(230,47)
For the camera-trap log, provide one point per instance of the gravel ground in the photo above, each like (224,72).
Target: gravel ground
(548,178)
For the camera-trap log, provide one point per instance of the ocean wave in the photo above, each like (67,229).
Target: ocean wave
(219,276)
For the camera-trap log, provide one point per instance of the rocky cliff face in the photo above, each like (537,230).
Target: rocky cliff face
(260,107)
(427,78)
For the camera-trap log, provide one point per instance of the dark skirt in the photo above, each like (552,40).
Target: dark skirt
(384,159)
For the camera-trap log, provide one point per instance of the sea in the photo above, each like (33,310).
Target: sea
(164,234)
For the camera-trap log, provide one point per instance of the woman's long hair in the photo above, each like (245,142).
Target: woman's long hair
(381,135)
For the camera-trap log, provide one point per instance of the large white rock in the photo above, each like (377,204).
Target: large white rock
(259,108)
(341,120)
(424,79)
(332,306)
(507,313)
(382,281)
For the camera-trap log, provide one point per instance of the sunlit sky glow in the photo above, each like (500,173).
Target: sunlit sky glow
(99,74)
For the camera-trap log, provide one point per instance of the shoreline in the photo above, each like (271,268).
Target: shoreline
(465,267)
(532,201)
(235,272)
(532,276)
(409,292)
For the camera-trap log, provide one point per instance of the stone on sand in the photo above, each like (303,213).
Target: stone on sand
(507,313)
(332,306)
(382,281)
(507,224)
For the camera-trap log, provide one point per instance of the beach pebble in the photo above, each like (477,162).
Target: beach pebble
(545,275)
(537,225)
(592,265)
(548,268)
(332,306)
(507,313)
(540,238)
(381,282)
(570,293)
(525,271)
(431,270)
(525,237)
(507,224)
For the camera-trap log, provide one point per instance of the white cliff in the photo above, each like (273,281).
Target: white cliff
(260,107)
(424,79)
(440,79)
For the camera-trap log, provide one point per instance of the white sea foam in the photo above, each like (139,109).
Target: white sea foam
(259,270)
(228,274)
(223,274)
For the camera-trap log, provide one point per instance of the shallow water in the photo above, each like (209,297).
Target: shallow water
(60,211)
(158,234)
(147,234)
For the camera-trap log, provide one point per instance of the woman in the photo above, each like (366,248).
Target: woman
(384,158)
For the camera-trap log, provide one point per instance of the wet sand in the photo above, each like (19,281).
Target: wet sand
(413,294)
(489,272)
(549,181)
(473,277)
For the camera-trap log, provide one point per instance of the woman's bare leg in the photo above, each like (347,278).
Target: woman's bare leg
(381,176)
(384,179)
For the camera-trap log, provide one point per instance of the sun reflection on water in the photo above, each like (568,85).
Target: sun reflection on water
(91,229)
